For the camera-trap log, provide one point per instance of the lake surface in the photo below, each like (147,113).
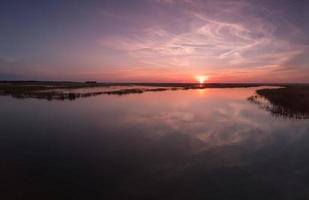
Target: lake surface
(184,144)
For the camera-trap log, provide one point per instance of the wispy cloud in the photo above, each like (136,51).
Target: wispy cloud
(167,37)
(211,41)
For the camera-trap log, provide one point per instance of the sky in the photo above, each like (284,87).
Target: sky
(155,40)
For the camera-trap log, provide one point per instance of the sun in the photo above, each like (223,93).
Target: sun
(201,78)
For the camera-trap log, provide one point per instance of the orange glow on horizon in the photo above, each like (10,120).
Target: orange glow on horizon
(201,78)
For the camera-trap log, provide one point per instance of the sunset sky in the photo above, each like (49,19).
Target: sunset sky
(155,40)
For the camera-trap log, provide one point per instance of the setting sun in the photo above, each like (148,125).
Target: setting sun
(201,78)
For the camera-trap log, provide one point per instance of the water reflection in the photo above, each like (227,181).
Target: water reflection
(186,144)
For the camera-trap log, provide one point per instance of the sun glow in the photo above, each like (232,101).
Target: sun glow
(201,78)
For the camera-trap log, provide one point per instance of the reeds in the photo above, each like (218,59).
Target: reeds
(290,101)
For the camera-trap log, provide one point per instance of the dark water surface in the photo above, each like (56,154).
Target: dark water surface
(192,144)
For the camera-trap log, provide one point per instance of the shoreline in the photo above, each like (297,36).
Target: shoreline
(288,100)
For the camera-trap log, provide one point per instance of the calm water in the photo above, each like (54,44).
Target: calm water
(193,144)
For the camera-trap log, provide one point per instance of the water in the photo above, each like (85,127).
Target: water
(185,144)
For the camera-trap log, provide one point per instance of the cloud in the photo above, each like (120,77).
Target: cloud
(190,36)
(299,61)
(208,40)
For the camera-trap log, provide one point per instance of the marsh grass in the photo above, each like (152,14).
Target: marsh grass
(290,101)
(287,100)
(46,90)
